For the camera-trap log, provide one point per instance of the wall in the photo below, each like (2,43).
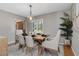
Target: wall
(75,39)
(7,25)
(51,22)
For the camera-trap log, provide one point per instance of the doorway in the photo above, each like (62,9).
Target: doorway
(19,26)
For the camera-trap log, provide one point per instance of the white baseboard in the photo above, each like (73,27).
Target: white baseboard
(73,51)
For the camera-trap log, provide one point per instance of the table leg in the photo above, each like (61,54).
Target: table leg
(40,50)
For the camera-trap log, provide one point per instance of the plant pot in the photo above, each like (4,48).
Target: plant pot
(67,42)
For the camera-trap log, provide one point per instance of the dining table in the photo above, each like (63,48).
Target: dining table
(39,39)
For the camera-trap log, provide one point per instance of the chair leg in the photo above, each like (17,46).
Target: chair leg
(38,50)
(30,50)
(23,49)
(42,50)
(58,49)
(26,50)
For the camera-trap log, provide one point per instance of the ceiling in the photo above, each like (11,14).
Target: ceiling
(22,9)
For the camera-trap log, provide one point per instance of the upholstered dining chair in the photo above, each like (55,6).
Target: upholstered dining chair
(53,43)
(21,42)
(18,32)
(30,44)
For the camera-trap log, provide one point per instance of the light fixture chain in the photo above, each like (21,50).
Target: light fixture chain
(30,10)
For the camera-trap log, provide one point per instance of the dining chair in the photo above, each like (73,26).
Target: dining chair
(53,43)
(18,32)
(21,42)
(30,44)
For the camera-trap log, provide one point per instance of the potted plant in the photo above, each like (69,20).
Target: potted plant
(66,27)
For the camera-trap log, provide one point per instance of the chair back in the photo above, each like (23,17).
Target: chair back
(19,32)
(29,41)
(53,44)
(58,35)
(21,39)
(56,39)
(18,35)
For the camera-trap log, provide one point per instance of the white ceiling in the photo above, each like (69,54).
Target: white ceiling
(22,9)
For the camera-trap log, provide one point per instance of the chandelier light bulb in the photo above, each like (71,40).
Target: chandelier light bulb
(30,18)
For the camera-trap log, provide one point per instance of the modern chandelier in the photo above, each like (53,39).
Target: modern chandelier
(30,17)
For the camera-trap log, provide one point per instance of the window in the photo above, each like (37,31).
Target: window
(37,26)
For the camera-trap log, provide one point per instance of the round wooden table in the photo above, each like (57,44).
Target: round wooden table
(39,39)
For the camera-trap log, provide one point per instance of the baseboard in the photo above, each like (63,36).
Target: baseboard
(73,51)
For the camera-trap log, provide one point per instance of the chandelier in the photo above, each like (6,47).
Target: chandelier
(30,17)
